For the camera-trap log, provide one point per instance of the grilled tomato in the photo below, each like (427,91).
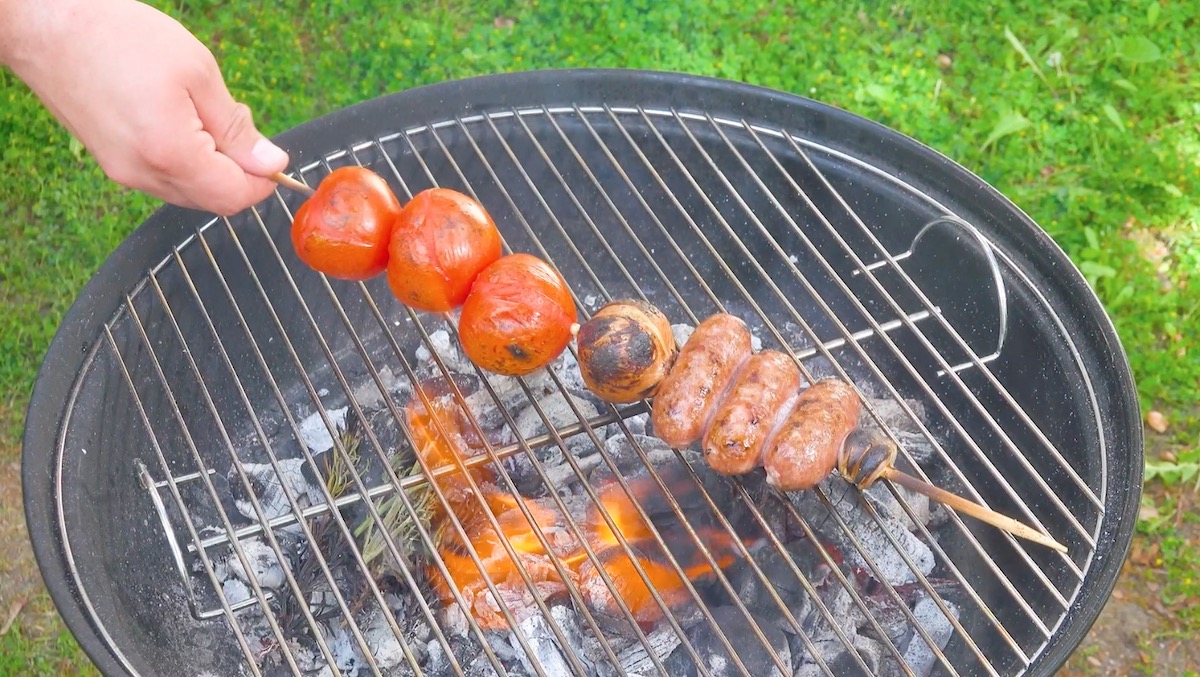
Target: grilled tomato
(343,229)
(518,317)
(441,241)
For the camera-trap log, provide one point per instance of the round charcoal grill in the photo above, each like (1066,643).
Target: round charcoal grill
(206,384)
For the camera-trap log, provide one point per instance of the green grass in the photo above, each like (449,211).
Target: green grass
(57,655)
(1084,113)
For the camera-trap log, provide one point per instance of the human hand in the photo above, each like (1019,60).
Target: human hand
(144,96)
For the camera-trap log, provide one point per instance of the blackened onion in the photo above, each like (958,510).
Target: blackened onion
(625,350)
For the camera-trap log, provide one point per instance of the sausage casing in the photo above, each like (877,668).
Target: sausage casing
(805,449)
(733,443)
(705,364)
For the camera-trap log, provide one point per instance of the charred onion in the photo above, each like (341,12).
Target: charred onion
(625,351)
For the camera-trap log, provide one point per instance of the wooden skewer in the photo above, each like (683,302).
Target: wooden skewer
(973,509)
(865,461)
(285,180)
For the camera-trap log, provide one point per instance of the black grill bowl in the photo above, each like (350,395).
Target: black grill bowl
(679,142)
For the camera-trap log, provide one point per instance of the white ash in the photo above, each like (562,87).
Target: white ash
(315,435)
(268,488)
(624,456)
(636,660)
(504,645)
(927,512)
(263,563)
(566,367)
(235,590)
(824,637)
(482,666)
(508,388)
(755,343)
(562,475)
(590,301)
(682,333)
(557,410)
(382,641)
(447,350)
(796,336)
(437,662)
(636,425)
(368,395)
(545,646)
(844,499)
(897,420)
(345,652)
(550,456)
(918,655)
(453,621)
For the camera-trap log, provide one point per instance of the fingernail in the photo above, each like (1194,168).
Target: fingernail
(269,155)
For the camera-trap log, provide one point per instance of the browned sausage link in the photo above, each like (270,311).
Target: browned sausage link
(733,443)
(805,449)
(702,370)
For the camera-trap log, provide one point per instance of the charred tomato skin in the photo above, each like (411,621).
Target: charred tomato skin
(518,316)
(441,241)
(343,229)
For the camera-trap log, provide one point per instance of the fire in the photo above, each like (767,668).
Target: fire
(447,448)
(500,568)
(438,440)
(648,552)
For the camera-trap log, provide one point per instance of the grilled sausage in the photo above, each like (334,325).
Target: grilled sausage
(805,448)
(746,415)
(703,369)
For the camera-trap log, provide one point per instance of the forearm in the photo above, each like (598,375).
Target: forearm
(21,24)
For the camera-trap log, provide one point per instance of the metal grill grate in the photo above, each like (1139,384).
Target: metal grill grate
(231,348)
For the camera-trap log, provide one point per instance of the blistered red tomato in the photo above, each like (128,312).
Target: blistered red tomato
(441,241)
(518,316)
(343,229)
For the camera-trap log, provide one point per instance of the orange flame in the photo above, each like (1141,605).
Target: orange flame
(447,449)
(648,552)
(438,440)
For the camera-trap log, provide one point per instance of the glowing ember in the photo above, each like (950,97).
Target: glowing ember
(440,441)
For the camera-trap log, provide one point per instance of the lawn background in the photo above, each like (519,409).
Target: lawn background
(1085,114)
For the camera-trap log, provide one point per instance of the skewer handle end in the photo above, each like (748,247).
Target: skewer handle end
(975,510)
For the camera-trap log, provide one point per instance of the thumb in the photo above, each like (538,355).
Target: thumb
(231,125)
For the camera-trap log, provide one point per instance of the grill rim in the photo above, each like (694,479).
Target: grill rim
(80,330)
